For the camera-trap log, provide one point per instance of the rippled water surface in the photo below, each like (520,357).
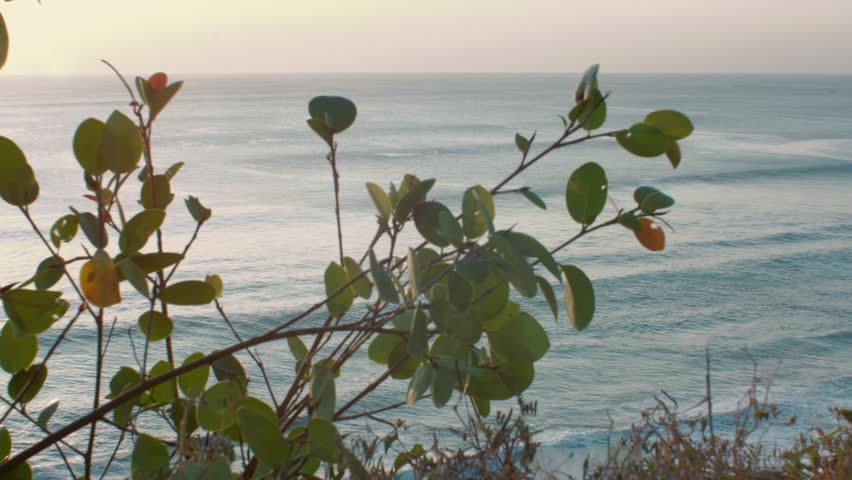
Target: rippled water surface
(760,257)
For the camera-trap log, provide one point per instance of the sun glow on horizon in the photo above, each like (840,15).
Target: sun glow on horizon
(285,36)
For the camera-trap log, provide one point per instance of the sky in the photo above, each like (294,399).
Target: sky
(59,37)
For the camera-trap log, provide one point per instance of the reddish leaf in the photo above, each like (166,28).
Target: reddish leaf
(650,235)
(158,81)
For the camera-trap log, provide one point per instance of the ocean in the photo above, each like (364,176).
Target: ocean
(758,264)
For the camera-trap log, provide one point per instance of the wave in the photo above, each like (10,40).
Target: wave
(825,170)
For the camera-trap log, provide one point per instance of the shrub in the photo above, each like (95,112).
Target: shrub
(441,315)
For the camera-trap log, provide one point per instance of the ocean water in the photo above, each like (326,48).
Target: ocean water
(759,258)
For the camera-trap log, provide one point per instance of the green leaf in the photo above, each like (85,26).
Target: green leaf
(528,246)
(383,282)
(522,339)
(491,296)
(427,220)
(183,415)
(380,200)
(156,193)
(49,272)
(588,82)
(629,221)
(134,275)
(381,347)
(138,229)
(650,199)
(449,228)
(414,272)
(18,185)
(590,113)
(91,227)
(488,386)
(172,171)
(155,325)
(63,230)
(215,281)
(123,380)
(150,458)
(200,470)
(87,145)
(585,193)
(125,377)
(154,262)
(320,129)
(164,392)
(361,287)
(5,444)
(34,311)
(475,219)
(420,382)
(189,292)
(4,46)
(46,414)
(335,278)
(547,291)
(199,212)
(122,143)
(472,269)
(322,439)
(22,471)
(643,140)
(415,196)
(192,383)
(513,267)
(673,153)
(17,349)
(336,113)
(533,198)
(522,143)
(259,425)
(143,174)
(418,341)
(323,391)
(579,297)
(672,123)
(217,408)
(443,381)
(501,319)
(406,365)
(517,377)
(229,368)
(25,385)
(460,291)
(297,348)
(157,100)
(461,326)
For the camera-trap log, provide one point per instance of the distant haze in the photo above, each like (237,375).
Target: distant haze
(289,36)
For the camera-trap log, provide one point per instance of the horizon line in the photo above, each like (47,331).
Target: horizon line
(453,73)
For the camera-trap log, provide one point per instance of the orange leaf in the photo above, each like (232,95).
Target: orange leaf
(99,282)
(158,81)
(651,236)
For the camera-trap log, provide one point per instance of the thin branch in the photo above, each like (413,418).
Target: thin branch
(123,81)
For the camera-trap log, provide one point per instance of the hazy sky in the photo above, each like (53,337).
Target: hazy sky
(237,36)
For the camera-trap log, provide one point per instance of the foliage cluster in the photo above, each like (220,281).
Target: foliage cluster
(448,317)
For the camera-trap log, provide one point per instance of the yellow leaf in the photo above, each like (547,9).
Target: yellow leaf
(99,281)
